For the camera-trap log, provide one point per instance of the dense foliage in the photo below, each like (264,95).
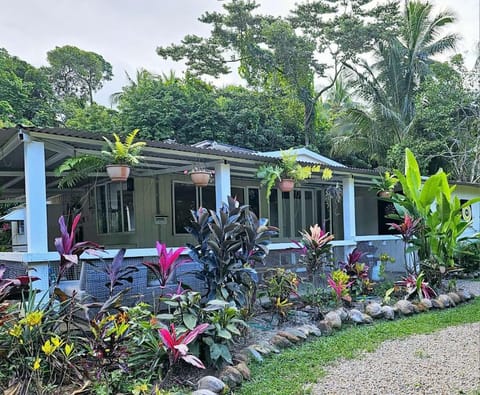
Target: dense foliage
(354,80)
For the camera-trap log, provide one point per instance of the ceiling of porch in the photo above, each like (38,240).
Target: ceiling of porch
(159,158)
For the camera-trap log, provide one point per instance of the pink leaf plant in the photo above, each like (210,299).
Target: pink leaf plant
(165,265)
(69,250)
(177,346)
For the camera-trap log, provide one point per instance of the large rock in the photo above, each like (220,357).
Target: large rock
(454,296)
(231,376)
(343,313)
(356,316)
(204,392)
(325,327)
(388,312)
(297,333)
(437,304)
(211,383)
(288,336)
(255,354)
(311,330)
(367,319)
(405,307)
(244,370)
(446,300)
(334,318)
(466,294)
(427,303)
(374,310)
(280,342)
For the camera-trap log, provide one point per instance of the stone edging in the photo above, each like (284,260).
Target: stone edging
(233,376)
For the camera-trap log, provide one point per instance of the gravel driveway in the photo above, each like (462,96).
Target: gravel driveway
(445,362)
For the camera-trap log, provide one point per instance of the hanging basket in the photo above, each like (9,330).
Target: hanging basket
(286,185)
(384,194)
(200,178)
(118,173)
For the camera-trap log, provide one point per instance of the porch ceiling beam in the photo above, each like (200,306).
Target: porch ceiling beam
(9,146)
(176,169)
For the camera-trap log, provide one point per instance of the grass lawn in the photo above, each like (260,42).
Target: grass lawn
(288,372)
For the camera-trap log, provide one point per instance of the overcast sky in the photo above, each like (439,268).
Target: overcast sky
(127,32)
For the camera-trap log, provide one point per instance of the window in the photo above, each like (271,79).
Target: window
(187,197)
(294,211)
(115,209)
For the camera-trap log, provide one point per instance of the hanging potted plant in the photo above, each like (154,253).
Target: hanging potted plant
(384,184)
(117,157)
(287,172)
(200,176)
(121,155)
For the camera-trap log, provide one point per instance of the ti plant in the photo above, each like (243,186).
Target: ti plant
(316,249)
(229,244)
(69,250)
(176,345)
(13,288)
(357,272)
(339,282)
(117,273)
(165,266)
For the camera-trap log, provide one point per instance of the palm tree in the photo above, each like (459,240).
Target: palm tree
(389,85)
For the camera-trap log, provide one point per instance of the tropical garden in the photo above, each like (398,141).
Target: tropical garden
(379,101)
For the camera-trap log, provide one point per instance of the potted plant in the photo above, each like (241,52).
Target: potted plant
(384,184)
(121,155)
(116,157)
(287,172)
(200,176)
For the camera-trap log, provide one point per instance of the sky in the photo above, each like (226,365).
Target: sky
(127,32)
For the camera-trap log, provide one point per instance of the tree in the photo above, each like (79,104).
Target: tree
(93,118)
(167,107)
(389,85)
(25,93)
(285,50)
(447,118)
(77,73)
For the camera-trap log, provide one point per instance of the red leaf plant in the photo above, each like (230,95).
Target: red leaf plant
(69,250)
(11,288)
(177,346)
(163,269)
(407,228)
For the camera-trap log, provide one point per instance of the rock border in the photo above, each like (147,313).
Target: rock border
(233,376)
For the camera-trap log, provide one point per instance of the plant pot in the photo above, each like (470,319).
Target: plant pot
(200,178)
(286,185)
(118,172)
(384,194)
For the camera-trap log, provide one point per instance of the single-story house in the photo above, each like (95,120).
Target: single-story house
(155,203)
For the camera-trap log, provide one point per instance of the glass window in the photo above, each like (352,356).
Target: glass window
(239,194)
(208,198)
(297,210)
(184,198)
(254,200)
(115,209)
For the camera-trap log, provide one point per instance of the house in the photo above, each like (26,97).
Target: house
(155,203)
